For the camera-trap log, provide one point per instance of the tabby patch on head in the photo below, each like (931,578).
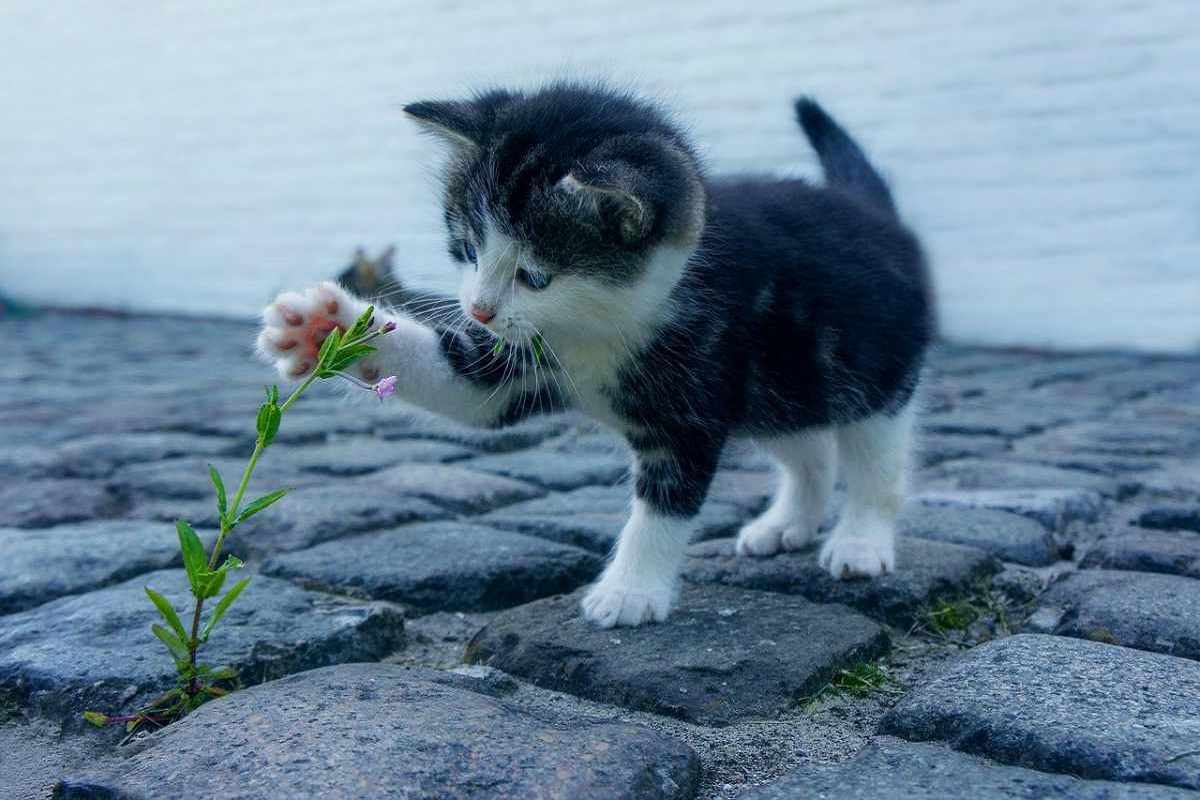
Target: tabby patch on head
(565,206)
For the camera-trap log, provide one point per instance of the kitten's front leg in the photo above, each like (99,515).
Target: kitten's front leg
(639,584)
(445,371)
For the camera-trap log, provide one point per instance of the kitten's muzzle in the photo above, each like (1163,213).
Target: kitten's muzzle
(484,314)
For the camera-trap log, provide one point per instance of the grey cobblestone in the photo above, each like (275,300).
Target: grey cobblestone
(921,771)
(926,571)
(41,564)
(1063,705)
(591,517)
(43,502)
(316,514)
(1002,474)
(383,731)
(97,456)
(359,455)
(458,490)
(79,653)
(187,478)
(425,567)
(1135,609)
(1171,517)
(1008,536)
(1054,508)
(723,655)
(552,469)
(422,425)
(1170,552)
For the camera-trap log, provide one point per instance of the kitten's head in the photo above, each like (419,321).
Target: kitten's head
(572,209)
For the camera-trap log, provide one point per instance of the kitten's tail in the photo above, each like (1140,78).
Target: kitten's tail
(845,164)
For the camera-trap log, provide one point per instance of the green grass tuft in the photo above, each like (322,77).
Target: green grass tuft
(948,617)
(860,679)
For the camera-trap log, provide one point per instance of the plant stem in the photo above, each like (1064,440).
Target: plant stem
(259,446)
(299,391)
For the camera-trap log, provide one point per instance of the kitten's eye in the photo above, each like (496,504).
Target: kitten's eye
(533,280)
(469,252)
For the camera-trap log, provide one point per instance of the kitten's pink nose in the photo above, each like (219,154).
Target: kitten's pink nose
(482,313)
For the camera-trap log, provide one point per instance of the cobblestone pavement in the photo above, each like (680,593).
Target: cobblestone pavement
(412,630)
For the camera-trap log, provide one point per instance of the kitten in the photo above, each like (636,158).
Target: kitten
(680,310)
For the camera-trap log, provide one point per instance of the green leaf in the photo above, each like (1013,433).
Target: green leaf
(359,328)
(232,562)
(264,414)
(261,503)
(96,718)
(178,649)
(194,560)
(269,414)
(209,584)
(347,356)
(274,415)
(498,347)
(168,613)
(332,342)
(537,349)
(223,606)
(223,673)
(267,423)
(355,351)
(219,485)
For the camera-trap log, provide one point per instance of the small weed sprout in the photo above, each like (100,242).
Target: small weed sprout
(196,682)
(860,679)
(949,617)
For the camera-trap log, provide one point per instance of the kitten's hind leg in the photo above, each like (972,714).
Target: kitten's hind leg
(874,454)
(807,468)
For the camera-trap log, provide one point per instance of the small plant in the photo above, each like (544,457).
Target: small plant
(197,682)
(860,679)
(948,617)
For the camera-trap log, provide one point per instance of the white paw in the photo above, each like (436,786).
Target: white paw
(852,556)
(609,603)
(296,324)
(766,537)
(759,537)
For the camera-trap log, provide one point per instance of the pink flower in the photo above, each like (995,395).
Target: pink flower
(386,387)
(388,327)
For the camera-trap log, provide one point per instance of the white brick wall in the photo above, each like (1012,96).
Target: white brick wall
(199,156)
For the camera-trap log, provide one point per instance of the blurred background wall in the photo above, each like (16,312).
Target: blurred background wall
(198,157)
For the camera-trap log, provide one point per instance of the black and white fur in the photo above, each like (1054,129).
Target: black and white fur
(678,309)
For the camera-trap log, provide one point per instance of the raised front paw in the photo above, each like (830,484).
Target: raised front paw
(296,324)
(610,603)
(848,555)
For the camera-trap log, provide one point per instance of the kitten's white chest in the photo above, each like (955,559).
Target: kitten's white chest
(593,381)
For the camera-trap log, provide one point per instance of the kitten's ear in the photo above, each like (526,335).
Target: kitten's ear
(455,121)
(635,186)
(609,194)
